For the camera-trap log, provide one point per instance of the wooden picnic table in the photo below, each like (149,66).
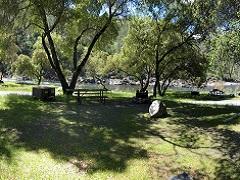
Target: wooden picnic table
(90,93)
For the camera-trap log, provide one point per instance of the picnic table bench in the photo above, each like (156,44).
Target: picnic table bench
(81,94)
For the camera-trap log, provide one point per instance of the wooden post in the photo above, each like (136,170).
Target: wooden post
(78,97)
(101,96)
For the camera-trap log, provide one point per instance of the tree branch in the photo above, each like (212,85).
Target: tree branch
(47,51)
(75,58)
(58,17)
(175,47)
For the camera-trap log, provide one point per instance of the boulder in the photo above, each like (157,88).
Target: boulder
(157,109)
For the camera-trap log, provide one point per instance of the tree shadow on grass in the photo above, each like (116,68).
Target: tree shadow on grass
(104,136)
(196,111)
(201,97)
(212,125)
(100,135)
(5,138)
(229,164)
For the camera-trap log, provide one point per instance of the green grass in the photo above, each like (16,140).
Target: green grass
(204,96)
(118,140)
(10,86)
(18,87)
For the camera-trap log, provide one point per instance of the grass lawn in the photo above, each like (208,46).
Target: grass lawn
(204,96)
(63,140)
(10,86)
(21,87)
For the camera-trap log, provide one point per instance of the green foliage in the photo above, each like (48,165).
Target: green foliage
(99,64)
(117,45)
(39,58)
(25,41)
(36,66)
(9,10)
(179,26)
(23,66)
(158,32)
(143,45)
(81,25)
(224,55)
(8,49)
(189,63)
(136,57)
(138,52)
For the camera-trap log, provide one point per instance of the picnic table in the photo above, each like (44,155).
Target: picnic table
(216,92)
(81,94)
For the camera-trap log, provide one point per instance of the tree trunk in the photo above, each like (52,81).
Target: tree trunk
(141,85)
(165,89)
(159,60)
(231,72)
(52,54)
(146,83)
(58,69)
(54,62)
(39,80)
(162,90)
(157,76)
(160,87)
(89,51)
